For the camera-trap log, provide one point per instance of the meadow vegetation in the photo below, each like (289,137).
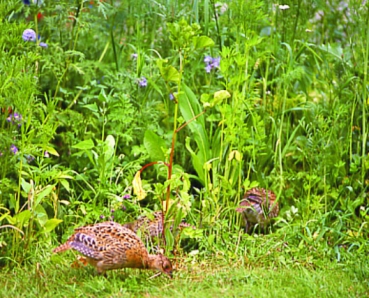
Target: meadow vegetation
(110,109)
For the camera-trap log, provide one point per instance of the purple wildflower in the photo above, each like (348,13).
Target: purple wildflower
(112,210)
(142,82)
(171,96)
(127,196)
(208,59)
(14,149)
(102,216)
(46,154)
(211,63)
(124,208)
(29,35)
(30,158)
(134,56)
(208,68)
(15,119)
(216,62)
(43,45)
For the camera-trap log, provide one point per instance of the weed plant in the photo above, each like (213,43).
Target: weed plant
(110,109)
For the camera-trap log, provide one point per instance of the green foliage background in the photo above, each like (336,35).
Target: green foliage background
(286,109)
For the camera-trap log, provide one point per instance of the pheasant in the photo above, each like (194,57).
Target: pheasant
(109,245)
(151,227)
(258,207)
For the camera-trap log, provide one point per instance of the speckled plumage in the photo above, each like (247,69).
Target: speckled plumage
(109,245)
(258,206)
(152,225)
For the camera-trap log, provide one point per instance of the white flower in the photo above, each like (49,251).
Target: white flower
(283,7)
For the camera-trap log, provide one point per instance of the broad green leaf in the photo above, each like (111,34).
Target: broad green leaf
(51,224)
(170,74)
(201,42)
(190,107)
(43,193)
(65,183)
(41,215)
(154,146)
(51,150)
(23,217)
(84,145)
(92,107)
(219,96)
(196,162)
(26,187)
(109,147)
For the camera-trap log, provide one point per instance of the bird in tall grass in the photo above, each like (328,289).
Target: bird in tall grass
(258,207)
(109,245)
(151,225)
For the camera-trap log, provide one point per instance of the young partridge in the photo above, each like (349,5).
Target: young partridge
(109,245)
(258,207)
(151,226)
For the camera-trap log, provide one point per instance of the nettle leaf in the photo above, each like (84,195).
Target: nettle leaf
(201,42)
(84,145)
(154,144)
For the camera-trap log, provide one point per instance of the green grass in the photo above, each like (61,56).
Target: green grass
(193,278)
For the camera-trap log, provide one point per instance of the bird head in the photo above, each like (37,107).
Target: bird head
(162,263)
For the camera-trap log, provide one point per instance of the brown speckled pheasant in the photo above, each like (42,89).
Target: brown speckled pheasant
(109,245)
(258,207)
(151,226)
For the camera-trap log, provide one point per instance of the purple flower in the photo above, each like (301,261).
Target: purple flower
(29,35)
(112,210)
(216,62)
(211,63)
(123,208)
(43,45)
(46,154)
(208,68)
(134,56)
(208,59)
(15,119)
(102,216)
(142,82)
(14,149)
(171,96)
(30,158)
(127,196)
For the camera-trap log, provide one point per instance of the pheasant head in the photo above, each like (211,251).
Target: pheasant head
(161,263)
